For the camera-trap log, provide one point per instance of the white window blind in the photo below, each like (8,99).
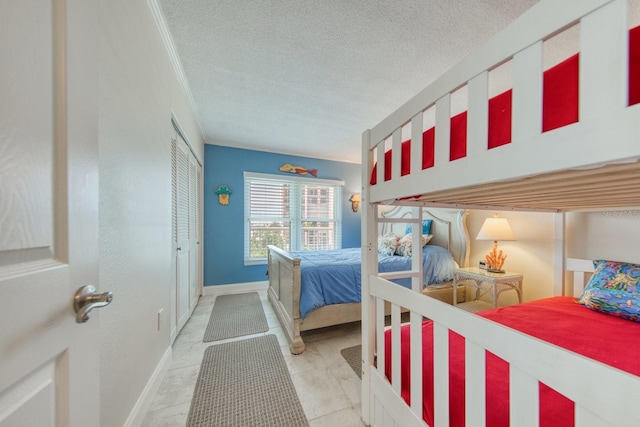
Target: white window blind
(292,213)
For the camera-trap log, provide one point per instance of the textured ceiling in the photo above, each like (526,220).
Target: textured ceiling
(306,77)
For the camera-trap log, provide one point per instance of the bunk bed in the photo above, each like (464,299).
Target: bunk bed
(519,149)
(325,296)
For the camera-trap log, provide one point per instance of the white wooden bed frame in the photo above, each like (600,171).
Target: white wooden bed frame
(449,230)
(589,165)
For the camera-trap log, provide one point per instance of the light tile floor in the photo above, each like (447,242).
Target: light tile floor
(328,389)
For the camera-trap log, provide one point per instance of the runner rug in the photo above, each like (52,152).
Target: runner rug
(234,316)
(353,356)
(245,383)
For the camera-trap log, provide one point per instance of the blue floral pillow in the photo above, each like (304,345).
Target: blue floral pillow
(388,244)
(614,289)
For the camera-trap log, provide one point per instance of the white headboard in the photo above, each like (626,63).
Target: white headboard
(580,271)
(449,228)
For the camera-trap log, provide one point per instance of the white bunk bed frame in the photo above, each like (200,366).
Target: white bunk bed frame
(594,166)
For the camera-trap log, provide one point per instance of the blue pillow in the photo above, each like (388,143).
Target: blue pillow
(426,227)
(614,289)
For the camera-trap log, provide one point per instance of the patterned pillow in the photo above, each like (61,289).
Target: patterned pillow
(406,244)
(426,227)
(614,289)
(388,244)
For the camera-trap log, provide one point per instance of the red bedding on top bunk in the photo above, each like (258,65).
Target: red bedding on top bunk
(560,108)
(557,320)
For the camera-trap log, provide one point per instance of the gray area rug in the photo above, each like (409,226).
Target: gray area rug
(234,316)
(353,356)
(245,383)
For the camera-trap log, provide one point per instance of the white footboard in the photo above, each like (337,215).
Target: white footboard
(284,294)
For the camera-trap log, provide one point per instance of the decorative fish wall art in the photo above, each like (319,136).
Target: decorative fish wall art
(288,167)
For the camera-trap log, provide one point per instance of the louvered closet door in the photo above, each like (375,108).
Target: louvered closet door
(199,254)
(193,231)
(174,239)
(183,248)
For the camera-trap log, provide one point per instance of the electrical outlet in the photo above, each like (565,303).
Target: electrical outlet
(482,265)
(160,318)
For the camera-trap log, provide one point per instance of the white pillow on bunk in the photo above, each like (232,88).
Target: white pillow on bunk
(406,244)
(388,244)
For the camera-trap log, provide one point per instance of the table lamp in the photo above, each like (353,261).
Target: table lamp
(495,229)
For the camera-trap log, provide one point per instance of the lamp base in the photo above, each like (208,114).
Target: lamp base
(493,270)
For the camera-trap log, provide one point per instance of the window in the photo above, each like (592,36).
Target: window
(292,213)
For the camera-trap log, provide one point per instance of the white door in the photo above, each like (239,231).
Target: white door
(194,239)
(198,221)
(48,212)
(183,249)
(174,240)
(186,207)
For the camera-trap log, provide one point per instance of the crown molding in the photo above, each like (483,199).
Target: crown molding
(161,22)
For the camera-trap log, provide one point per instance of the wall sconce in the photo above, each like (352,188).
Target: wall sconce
(355,202)
(495,229)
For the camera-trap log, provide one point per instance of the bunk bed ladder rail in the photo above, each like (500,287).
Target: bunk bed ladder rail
(388,407)
(375,313)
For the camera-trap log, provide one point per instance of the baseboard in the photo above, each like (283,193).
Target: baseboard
(236,288)
(143,404)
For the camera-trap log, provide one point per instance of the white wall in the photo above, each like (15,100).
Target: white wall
(531,254)
(612,235)
(138,93)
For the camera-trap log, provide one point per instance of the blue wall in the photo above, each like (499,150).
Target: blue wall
(224,225)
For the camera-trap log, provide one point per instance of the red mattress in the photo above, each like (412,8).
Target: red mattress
(560,108)
(558,320)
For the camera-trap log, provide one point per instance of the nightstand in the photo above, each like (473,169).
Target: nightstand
(484,282)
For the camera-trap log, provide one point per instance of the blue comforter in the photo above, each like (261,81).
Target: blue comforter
(333,277)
